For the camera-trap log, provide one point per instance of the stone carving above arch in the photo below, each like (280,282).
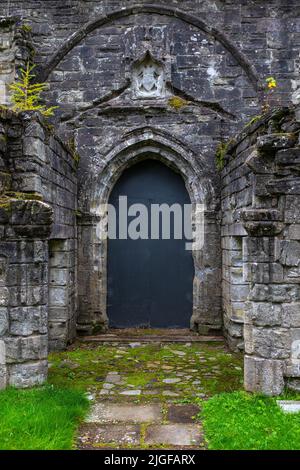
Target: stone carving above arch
(148,78)
(192,20)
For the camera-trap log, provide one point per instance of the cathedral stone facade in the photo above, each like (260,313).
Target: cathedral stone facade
(179,84)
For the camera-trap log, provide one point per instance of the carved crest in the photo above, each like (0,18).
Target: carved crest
(149,78)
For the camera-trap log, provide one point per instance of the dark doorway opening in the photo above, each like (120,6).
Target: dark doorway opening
(150,281)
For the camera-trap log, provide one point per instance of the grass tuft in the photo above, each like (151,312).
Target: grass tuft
(241,421)
(42,418)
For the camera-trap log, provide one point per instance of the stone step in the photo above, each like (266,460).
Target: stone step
(149,339)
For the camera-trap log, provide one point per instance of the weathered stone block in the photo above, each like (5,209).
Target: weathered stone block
(33,130)
(3,321)
(293,369)
(292,209)
(58,313)
(58,296)
(257,272)
(289,252)
(270,343)
(59,260)
(28,182)
(291,315)
(58,330)
(294,232)
(239,292)
(263,375)
(4,296)
(28,375)
(59,277)
(264,314)
(270,143)
(2,353)
(275,293)
(288,157)
(238,311)
(33,147)
(257,163)
(3,377)
(26,349)
(257,249)
(25,321)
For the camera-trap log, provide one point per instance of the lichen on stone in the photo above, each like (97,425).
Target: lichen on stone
(177,102)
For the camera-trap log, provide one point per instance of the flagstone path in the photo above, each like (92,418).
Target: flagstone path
(141,426)
(145,394)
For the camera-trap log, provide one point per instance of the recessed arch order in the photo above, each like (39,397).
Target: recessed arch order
(135,147)
(193,20)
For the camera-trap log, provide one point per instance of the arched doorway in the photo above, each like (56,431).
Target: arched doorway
(150,281)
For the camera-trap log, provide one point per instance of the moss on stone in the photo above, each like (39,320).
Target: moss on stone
(10,196)
(177,102)
(24,196)
(253,120)
(5,203)
(73,150)
(85,366)
(26,28)
(220,154)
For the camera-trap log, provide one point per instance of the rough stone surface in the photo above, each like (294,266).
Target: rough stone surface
(103,413)
(112,426)
(109,434)
(182,413)
(174,434)
(290,406)
(53,277)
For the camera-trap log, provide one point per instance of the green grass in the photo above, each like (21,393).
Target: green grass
(43,418)
(241,421)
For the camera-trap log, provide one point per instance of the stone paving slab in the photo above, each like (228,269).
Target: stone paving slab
(113,413)
(174,434)
(125,434)
(182,413)
(289,406)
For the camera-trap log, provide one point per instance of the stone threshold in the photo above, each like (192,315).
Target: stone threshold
(114,339)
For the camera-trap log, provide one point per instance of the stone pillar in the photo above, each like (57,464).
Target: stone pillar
(62,289)
(266,341)
(92,316)
(25,227)
(270,262)
(207,318)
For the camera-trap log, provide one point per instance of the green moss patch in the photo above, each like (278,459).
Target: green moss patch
(198,369)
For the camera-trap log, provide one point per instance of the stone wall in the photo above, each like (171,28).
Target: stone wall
(213,55)
(261,228)
(15,50)
(236,193)
(37,204)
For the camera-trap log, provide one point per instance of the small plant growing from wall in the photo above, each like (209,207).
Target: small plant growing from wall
(73,149)
(26,95)
(220,155)
(269,102)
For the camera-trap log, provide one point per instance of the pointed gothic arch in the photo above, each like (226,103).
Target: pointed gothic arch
(134,147)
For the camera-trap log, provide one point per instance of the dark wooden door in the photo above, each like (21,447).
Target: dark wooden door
(149,281)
